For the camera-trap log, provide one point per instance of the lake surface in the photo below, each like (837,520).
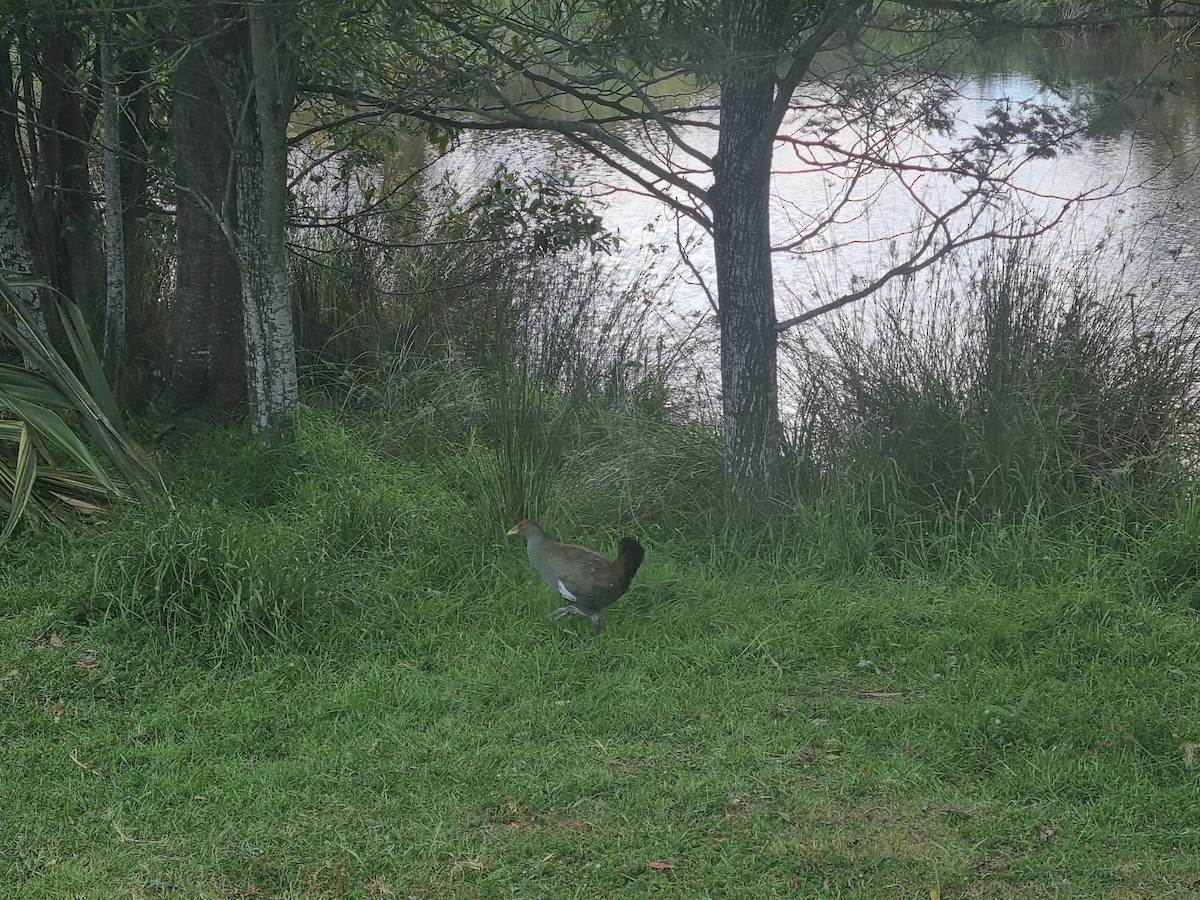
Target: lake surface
(1141,232)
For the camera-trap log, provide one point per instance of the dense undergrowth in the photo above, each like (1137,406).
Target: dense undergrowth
(1008,405)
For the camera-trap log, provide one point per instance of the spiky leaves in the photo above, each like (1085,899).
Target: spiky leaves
(62,447)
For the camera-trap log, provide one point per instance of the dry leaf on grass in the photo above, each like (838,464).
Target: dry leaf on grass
(80,506)
(1189,754)
(659,866)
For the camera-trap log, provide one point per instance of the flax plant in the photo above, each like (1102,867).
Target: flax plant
(48,471)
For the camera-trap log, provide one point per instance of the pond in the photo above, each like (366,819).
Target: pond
(1140,227)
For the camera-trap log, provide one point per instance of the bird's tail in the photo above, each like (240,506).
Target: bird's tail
(629,557)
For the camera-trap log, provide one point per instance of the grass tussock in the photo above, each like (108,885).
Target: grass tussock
(1021,406)
(270,548)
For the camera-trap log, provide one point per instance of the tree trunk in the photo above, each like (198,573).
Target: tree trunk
(206,357)
(16,253)
(261,174)
(114,212)
(145,255)
(67,222)
(740,203)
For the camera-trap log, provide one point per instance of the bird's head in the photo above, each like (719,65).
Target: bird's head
(525,529)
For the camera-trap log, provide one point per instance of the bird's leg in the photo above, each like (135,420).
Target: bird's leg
(595,618)
(565,611)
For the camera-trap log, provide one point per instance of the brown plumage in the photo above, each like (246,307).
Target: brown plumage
(588,580)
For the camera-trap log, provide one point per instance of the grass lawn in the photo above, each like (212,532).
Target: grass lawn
(740,730)
(730,735)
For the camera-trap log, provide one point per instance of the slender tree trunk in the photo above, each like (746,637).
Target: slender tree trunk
(740,202)
(146,256)
(261,173)
(206,356)
(16,252)
(114,212)
(67,222)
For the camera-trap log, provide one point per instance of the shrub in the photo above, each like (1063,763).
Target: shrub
(1029,391)
(223,575)
(516,347)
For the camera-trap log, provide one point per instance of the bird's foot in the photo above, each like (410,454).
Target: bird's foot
(595,618)
(566,611)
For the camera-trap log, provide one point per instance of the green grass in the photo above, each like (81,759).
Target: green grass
(765,729)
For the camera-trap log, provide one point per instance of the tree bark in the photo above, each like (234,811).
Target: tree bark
(740,204)
(261,175)
(145,253)
(16,252)
(114,211)
(206,356)
(66,219)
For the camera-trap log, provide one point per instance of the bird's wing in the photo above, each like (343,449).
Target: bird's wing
(588,575)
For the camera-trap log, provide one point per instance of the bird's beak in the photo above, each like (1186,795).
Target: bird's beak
(512,531)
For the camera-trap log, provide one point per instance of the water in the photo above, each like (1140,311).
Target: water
(1140,228)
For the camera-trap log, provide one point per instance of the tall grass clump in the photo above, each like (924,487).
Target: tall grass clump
(554,377)
(223,580)
(273,548)
(1030,399)
(583,412)
(1167,556)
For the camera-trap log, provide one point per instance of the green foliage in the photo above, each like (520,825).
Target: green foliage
(659,36)
(266,547)
(539,215)
(50,473)
(1027,401)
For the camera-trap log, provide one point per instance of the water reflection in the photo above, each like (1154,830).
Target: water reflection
(1139,159)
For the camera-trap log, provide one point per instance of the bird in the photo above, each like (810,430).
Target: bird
(589,581)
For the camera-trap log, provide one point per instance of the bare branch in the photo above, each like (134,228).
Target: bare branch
(927,254)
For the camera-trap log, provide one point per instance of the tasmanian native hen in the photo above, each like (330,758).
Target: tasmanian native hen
(586,580)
